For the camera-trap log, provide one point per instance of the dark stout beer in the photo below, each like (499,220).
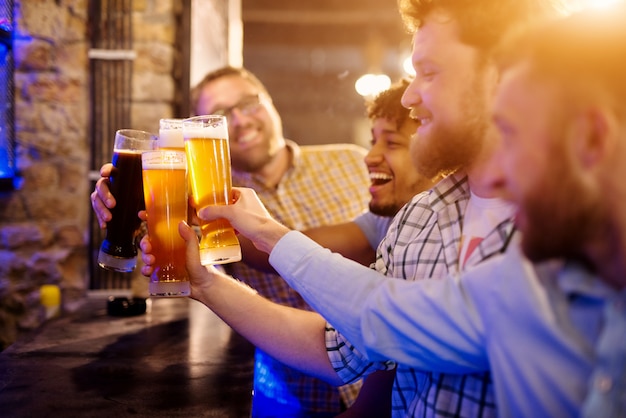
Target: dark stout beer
(118,251)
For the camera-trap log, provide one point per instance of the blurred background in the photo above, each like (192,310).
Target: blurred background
(310,54)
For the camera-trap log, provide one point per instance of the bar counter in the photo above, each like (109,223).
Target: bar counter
(177,359)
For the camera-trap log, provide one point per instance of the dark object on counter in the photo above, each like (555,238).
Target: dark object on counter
(123,306)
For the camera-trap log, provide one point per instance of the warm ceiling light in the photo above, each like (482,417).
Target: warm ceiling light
(407,66)
(583,4)
(372,84)
(603,3)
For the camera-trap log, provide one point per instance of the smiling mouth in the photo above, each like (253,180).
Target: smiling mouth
(244,139)
(379,179)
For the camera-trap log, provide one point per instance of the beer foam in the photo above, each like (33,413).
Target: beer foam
(165,160)
(198,131)
(128,151)
(171,138)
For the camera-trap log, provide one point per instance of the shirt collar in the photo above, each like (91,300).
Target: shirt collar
(451,189)
(295,152)
(575,279)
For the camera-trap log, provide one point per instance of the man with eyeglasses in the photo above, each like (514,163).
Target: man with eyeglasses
(302,186)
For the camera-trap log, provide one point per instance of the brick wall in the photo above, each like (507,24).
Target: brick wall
(44,223)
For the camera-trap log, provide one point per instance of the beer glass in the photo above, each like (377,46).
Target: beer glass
(208,164)
(118,251)
(171,134)
(165,195)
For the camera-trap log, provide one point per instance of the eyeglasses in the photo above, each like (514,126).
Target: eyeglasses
(246,106)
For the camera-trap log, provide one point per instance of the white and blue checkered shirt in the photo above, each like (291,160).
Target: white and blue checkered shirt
(423,242)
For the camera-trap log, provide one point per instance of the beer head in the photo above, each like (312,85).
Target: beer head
(171,134)
(134,140)
(163,159)
(207,126)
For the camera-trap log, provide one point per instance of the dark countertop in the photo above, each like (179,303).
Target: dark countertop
(178,359)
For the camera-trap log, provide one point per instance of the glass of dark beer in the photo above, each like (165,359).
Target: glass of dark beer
(118,251)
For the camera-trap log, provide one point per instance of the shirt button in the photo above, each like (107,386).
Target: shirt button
(603,383)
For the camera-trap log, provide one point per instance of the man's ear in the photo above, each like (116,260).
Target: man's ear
(593,132)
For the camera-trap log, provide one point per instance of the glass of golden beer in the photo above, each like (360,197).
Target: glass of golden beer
(165,195)
(208,163)
(171,134)
(118,251)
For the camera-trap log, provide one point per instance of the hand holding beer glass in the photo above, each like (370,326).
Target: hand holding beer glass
(118,251)
(208,162)
(165,193)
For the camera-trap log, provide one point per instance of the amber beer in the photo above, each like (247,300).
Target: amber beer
(165,195)
(118,251)
(208,162)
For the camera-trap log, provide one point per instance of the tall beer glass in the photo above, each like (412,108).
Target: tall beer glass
(171,134)
(118,251)
(208,163)
(165,194)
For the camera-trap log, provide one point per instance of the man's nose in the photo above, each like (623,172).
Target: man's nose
(411,96)
(374,155)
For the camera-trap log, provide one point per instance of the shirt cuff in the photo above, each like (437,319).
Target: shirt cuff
(290,249)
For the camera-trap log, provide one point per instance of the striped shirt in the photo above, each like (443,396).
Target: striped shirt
(325,185)
(423,241)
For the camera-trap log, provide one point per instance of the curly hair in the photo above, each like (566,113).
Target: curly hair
(387,104)
(224,72)
(482,22)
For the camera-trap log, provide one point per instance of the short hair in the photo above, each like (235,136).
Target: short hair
(387,104)
(224,72)
(482,22)
(585,53)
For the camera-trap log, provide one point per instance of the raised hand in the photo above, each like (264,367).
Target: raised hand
(249,217)
(101,198)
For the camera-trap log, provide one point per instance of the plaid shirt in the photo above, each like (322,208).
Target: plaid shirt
(423,241)
(326,184)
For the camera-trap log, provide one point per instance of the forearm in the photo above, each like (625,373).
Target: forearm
(294,337)
(253,257)
(382,317)
(346,239)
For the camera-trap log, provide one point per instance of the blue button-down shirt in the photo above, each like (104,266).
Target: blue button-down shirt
(506,315)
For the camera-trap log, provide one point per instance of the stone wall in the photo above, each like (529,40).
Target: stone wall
(44,223)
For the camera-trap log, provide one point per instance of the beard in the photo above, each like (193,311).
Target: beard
(562,213)
(445,151)
(449,147)
(559,229)
(252,162)
(402,194)
(387,210)
(255,159)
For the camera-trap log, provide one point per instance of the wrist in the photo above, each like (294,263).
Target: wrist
(271,236)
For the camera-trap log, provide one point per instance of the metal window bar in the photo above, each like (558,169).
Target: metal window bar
(111,69)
